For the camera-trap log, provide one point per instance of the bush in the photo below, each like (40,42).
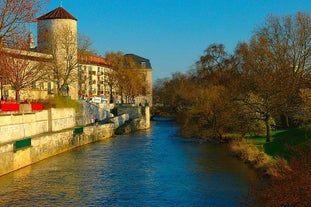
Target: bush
(252,155)
(60,102)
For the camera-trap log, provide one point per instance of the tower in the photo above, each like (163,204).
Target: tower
(57,35)
(53,28)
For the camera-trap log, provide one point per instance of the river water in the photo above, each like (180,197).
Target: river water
(147,168)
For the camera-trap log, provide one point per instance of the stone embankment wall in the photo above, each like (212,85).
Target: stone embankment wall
(88,110)
(49,144)
(139,119)
(29,138)
(119,120)
(18,126)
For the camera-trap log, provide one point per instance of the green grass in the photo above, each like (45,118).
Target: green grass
(283,141)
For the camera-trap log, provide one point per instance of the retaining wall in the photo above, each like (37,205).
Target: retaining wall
(88,110)
(134,112)
(49,144)
(18,126)
(119,120)
(29,138)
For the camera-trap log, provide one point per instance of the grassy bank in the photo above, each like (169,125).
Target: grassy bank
(283,141)
(270,159)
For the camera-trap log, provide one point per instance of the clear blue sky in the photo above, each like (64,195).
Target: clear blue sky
(173,34)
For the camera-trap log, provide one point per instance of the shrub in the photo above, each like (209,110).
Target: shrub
(60,102)
(249,153)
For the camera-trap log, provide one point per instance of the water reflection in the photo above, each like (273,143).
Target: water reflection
(148,168)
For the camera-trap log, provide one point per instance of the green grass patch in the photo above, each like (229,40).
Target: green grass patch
(283,141)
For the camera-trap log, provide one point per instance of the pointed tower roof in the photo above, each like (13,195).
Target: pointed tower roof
(58,13)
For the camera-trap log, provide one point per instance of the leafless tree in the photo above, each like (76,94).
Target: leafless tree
(64,68)
(15,13)
(20,67)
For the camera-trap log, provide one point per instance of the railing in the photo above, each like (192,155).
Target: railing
(13,106)
(9,107)
(36,106)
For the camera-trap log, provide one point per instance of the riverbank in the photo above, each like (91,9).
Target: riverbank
(254,156)
(271,158)
(267,159)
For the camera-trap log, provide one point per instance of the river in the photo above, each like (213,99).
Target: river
(147,168)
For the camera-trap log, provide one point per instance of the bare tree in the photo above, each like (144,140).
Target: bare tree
(85,45)
(14,13)
(20,67)
(64,67)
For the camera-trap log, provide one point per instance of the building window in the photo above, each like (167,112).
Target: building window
(143,64)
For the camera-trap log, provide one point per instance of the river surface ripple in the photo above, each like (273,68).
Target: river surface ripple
(147,168)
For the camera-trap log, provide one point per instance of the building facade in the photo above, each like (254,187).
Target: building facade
(93,72)
(86,74)
(145,71)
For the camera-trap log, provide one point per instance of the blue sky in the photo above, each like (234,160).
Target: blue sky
(173,34)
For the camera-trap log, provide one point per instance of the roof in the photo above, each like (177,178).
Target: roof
(58,13)
(139,60)
(93,59)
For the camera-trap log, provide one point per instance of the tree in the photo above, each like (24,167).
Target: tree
(132,85)
(19,67)
(158,86)
(122,76)
(218,77)
(204,98)
(85,45)
(15,13)
(64,67)
(289,42)
(275,66)
(260,91)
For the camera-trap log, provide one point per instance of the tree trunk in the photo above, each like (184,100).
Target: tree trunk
(17,97)
(268,128)
(110,95)
(286,121)
(121,93)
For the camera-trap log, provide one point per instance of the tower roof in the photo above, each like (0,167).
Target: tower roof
(58,13)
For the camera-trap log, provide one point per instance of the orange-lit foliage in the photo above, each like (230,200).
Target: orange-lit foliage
(291,189)
(123,76)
